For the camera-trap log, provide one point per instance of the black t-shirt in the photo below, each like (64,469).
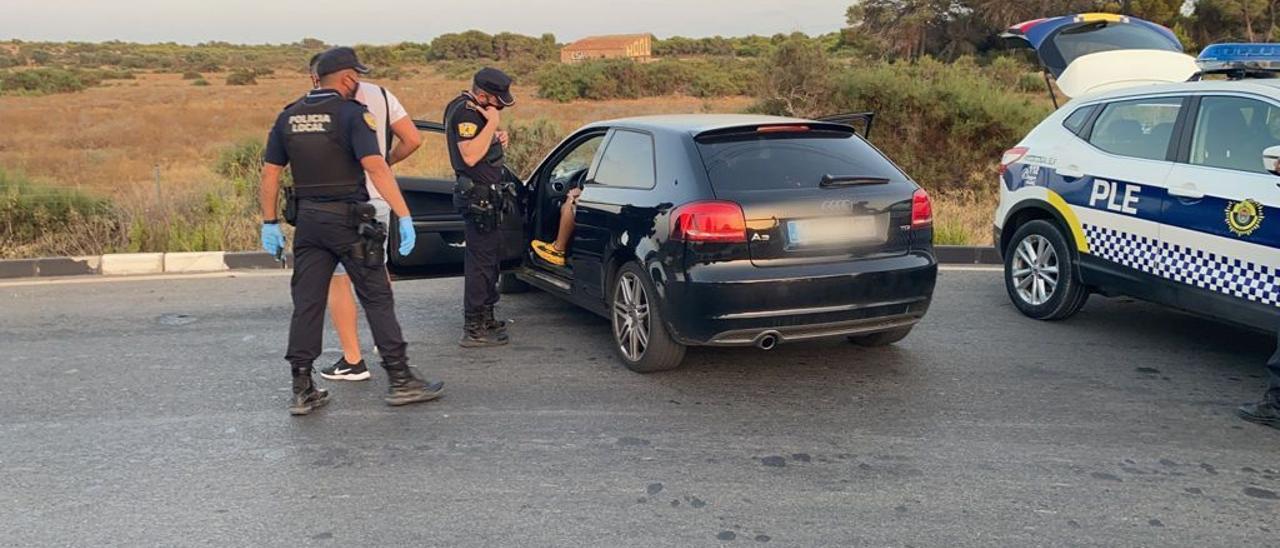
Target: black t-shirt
(464,123)
(354,131)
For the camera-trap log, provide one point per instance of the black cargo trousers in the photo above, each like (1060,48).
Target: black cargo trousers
(322,240)
(481,267)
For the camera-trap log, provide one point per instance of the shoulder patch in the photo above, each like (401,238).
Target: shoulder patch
(368,119)
(467,130)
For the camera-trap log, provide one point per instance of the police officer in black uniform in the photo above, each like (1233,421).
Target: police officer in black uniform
(476,152)
(329,141)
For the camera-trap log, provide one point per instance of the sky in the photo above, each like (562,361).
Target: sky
(390,21)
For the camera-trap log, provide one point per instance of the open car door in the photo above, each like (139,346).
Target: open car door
(440,244)
(1096,52)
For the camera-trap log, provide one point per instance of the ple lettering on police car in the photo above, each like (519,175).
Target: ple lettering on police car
(1109,193)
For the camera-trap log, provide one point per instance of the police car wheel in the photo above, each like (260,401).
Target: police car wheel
(640,336)
(509,284)
(1041,273)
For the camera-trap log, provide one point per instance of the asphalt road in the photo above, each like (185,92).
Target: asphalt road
(152,412)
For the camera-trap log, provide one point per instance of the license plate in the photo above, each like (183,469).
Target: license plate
(829,231)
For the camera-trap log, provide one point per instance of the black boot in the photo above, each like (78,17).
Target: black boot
(306,397)
(407,388)
(498,327)
(1265,412)
(476,335)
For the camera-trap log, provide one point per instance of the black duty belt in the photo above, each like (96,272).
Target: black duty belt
(340,208)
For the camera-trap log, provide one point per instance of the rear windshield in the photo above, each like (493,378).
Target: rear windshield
(1074,43)
(785,161)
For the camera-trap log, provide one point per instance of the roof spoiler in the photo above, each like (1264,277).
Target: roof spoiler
(854,120)
(843,123)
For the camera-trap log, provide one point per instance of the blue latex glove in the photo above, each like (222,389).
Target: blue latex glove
(272,239)
(408,236)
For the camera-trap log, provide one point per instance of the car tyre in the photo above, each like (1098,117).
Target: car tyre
(883,338)
(640,336)
(509,284)
(1042,273)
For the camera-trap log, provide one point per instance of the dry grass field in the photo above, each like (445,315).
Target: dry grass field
(112,141)
(108,140)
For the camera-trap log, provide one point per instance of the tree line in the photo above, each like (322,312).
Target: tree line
(949,29)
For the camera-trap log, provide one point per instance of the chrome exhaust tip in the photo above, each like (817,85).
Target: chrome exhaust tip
(767,341)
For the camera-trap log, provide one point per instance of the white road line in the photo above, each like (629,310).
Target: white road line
(282,273)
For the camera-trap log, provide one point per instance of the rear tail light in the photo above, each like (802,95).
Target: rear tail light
(921,210)
(1011,156)
(713,221)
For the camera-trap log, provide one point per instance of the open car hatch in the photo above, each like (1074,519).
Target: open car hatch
(1095,52)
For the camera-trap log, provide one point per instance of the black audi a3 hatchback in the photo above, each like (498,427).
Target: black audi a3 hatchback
(709,230)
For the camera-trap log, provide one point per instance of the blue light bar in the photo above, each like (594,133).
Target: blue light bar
(1240,57)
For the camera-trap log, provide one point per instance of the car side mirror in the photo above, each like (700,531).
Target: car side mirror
(1271,159)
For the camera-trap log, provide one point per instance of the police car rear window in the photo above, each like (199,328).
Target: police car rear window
(1076,121)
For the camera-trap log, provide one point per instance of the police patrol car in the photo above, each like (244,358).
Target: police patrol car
(1157,181)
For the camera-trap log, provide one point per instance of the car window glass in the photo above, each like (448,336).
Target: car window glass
(1074,43)
(1076,121)
(577,159)
(627,161)
(1232,132)
(1140,128)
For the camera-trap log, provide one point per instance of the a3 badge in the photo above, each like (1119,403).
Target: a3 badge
(1244,217)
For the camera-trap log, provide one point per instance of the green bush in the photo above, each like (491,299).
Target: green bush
(41,81)
(242,160)
(530,143)
(192,75)
(242,78)
(945,124)
(624,79)
(43,220)
(201,82)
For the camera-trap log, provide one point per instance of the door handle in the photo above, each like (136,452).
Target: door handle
(1071,172)
(1187,191)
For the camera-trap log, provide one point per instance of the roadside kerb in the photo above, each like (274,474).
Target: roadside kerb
(126,264)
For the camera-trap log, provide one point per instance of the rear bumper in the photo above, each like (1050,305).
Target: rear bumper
(736,304)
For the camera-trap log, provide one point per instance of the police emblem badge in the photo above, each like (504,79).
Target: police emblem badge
(467,130)
(1244,217)
(368,119)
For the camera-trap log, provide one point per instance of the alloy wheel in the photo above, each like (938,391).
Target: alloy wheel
(1035,270)
(631,317)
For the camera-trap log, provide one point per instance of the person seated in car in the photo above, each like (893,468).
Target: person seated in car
(553,252)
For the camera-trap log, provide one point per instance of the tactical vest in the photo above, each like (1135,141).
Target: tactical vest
(322,163)
(494,157)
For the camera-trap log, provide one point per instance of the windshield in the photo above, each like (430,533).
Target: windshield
(788,161)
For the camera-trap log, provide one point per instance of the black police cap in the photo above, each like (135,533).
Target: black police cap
(336,59)
(497,83)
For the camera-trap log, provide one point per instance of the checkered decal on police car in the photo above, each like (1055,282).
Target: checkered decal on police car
(1245,280)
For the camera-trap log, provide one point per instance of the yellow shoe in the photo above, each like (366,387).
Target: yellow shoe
(548,253)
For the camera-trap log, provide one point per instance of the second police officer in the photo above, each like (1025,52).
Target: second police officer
(329,141)
(476,153)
